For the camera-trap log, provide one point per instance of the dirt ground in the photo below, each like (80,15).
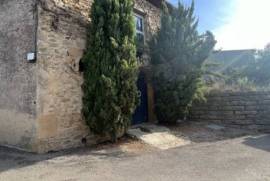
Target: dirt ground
(199,132)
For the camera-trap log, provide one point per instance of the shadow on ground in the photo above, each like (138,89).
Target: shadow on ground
(124,149)
(259,142)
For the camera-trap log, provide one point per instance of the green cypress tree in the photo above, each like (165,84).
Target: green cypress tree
(178,54)
(110,91)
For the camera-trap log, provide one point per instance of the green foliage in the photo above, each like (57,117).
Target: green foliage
(232,65)
(110,91)
(251,73)
(178,54)
(258,71)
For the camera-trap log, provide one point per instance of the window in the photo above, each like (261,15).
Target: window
(139,21)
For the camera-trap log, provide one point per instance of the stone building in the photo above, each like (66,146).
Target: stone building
(41,44)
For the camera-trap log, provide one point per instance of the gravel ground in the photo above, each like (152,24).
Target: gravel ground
(198,132)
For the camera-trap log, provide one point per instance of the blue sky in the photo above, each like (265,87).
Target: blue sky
(237,24)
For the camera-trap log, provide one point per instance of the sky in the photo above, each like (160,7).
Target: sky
(236,24)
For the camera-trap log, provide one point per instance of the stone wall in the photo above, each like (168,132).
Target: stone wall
(246,109)
(17,76)
(151,16)
(61,42)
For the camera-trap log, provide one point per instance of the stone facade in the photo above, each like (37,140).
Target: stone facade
(244,109)
(43,99)
(61,41)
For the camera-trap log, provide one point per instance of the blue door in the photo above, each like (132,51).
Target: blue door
(141,113)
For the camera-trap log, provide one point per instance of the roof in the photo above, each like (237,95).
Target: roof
(232,59)
(158,3)
(233,52)
(155,2)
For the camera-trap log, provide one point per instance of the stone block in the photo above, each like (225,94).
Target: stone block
(232,108)
(246,112)
(252,108)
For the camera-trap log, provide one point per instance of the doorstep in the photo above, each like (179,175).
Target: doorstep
(157,136)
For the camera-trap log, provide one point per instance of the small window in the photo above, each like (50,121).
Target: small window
(139,20)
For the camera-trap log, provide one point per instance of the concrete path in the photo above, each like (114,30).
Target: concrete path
(157,136)
(241,159)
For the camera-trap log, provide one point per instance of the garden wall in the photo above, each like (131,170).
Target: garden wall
(244,109)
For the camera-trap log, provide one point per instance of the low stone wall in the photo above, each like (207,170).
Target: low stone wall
(248,109)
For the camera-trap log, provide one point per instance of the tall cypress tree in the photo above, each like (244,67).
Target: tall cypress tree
(178,54)
(110,91)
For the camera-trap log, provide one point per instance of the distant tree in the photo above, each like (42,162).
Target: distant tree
(258,71)
(178,54)
(110,91)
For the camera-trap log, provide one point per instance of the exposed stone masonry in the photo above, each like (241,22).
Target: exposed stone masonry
(40,102)
(61,43)
(246,109)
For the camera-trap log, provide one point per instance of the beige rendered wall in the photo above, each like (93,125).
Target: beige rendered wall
(17,76)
